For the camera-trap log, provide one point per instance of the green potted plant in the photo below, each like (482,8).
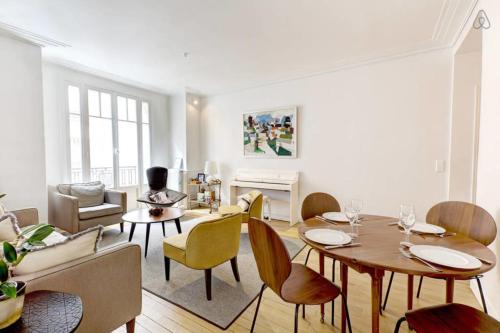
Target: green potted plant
(12,292)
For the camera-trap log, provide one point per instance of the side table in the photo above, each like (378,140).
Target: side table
(48,312)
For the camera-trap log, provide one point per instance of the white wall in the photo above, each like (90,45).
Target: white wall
(465,116)
(373,132)
(488,178)
(177,128)
(22,170)
(55,79)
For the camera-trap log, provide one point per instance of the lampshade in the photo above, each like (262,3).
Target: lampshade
(210,167)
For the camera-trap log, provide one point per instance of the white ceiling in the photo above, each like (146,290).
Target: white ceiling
(233,44)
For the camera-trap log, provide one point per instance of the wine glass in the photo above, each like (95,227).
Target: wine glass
(407,218)
(352,216)
(357,205)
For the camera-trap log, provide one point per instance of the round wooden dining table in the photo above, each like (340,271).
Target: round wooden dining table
(379,252)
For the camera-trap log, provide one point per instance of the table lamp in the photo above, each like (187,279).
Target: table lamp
(210,170)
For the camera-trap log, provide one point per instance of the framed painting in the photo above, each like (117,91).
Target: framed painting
(270,133)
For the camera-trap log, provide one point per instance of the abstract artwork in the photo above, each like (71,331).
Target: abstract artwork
(270,133)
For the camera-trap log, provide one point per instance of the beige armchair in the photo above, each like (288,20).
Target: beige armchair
(65,214)
(108,282)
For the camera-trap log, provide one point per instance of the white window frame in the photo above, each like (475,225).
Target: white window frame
(85,140)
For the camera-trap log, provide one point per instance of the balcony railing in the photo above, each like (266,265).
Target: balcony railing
(127,175)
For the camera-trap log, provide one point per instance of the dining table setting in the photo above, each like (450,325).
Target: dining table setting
(374,245)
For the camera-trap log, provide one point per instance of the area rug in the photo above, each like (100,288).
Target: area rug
(186,287)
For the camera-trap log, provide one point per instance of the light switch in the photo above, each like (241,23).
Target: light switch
(440,166)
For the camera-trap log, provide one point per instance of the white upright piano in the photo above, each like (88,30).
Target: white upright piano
(269,181)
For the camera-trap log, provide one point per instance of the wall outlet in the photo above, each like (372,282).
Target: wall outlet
(440,166)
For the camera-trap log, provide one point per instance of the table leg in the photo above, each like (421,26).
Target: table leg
(148,227)
(163,228)
(132,229)
(377,277)
(178,225)
(409,300)
(322,272)
(343,277)
(450,285)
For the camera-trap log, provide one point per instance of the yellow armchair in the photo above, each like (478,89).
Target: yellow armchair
(255,209)
(206,246)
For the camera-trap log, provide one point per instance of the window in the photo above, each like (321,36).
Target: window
(109,137)
(146,146)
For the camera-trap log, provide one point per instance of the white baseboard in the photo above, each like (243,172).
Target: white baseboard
(491,309)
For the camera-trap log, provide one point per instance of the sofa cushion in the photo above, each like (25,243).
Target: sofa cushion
(88,195)
(73,247)
(105,209)
(66,188)
(9,229)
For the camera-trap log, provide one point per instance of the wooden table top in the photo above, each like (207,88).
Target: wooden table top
(142,215)
(380,248)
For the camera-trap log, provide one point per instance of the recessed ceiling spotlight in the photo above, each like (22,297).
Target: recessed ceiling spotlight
(195,102)
(186,55)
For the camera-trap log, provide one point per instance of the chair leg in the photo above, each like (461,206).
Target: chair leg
(121,227)
(208,283)
(333,301)
(344,302)
(296,327)
(420,285)
(388,291)
(167,268)
(481,293)
(234,267)
(303,311)
(307,258)
(398,324)
(257,309)
(163,228)
(131,326)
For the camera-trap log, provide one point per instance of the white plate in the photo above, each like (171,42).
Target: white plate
(328,236)
(426,228)
(336,216)
(445,257)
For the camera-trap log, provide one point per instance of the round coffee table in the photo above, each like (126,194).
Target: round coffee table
(49,311)
(142,216)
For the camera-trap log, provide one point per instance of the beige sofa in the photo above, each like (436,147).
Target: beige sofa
(65,214)
(108,282)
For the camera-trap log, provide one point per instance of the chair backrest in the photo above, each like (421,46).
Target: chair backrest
(318,203)
(271,255)
(213,242)
(157,178)
(255,209)
(464,218)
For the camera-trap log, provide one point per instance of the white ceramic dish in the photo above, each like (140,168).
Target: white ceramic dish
(328,236)
(336,216)
(445,257)
(426,228)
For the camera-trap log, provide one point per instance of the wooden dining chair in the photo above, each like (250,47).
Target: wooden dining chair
(449,318)
(315,204)
(462,218)
(292,282)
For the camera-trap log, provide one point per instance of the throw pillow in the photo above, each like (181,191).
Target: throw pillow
(66,188)
(73,247)
(243,204)
(9,229)
(88,195)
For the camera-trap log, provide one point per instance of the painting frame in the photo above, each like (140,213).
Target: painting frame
(290,145)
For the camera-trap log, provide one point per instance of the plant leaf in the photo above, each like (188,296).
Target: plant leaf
(20,257)
(29,229)
(9,252)
(4,271)
(41,233)
(9,289)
